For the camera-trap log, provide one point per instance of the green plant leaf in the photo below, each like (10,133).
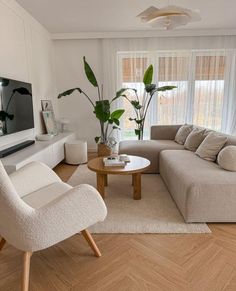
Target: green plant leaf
(136,104)
(150,87)
(97,138)
(68,92)
(116,121)
(102,110)
(162,89)
(147,78)
(90,74)
(115,127)
(117,114)
(166,88)
(120,92)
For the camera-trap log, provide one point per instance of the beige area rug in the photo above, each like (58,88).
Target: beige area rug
(156,212)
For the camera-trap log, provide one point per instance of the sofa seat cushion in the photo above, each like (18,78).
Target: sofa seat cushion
(149,149)
(202,190)
(43,196)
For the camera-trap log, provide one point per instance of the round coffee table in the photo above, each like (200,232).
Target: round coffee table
(135,167)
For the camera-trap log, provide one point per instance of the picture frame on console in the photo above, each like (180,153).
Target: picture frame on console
(49,117)
(47,105)
(50,122)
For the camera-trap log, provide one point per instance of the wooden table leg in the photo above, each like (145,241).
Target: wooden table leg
(137,185)
(106,180)
(101,184)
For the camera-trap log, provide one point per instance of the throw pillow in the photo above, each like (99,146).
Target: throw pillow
(194,139)
(227,158)
(183,133)
(210,147)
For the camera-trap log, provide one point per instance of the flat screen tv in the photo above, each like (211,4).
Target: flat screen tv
(16,106)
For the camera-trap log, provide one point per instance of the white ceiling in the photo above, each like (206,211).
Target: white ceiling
(77,16)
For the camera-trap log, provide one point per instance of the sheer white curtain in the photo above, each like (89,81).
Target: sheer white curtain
(202,68)
(131,69)
(173,70)
(229,108)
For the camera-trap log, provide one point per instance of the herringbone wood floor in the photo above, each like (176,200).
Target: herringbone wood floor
(199,262)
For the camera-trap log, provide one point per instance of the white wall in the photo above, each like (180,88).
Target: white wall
(26,54)
(69,74)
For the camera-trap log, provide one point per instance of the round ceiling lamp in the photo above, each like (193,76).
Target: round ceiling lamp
(169,17)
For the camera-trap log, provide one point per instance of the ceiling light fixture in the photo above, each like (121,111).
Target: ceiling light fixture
(169,17)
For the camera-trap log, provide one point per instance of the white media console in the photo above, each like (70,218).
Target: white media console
(49,152)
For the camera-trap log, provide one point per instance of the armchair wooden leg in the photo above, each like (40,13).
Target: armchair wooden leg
(86,234)
(2,243)
(26,271)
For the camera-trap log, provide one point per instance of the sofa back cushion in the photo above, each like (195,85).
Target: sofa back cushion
(231,140)
(227,158)
(183,133)
(211,146)
(194,139)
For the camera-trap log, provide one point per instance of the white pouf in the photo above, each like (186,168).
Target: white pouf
(76,152)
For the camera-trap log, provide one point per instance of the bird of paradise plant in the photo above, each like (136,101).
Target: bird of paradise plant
(141,106)
(108,120)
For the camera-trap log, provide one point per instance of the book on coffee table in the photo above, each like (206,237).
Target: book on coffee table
(125,158)
(113,162)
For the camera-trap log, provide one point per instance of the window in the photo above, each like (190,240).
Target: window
(172,105)
(209,91)
(132,74)
(200,80)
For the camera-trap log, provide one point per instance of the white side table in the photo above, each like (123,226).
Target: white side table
(76,152)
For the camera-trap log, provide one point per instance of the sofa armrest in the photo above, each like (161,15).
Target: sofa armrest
(164,132)
(33,177)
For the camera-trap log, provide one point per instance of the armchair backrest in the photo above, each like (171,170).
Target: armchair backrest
(12,209)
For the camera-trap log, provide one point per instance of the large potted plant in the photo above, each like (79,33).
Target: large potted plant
(108,120)
(139,105)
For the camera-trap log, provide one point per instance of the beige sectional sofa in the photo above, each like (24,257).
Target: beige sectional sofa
(162,138)
(202,190)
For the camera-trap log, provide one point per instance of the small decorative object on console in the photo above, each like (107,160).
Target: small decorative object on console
(64,123)
(44,137)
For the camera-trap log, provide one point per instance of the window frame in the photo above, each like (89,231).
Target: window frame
(153,58)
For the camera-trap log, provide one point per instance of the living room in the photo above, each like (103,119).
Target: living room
(117,145)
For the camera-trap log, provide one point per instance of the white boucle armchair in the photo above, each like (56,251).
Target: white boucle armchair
(38,210)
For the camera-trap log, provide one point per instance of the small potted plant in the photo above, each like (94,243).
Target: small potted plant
(108,120)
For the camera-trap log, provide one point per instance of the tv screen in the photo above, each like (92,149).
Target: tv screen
(16,106)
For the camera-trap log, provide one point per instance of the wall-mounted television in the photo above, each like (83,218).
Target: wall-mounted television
(16,106)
